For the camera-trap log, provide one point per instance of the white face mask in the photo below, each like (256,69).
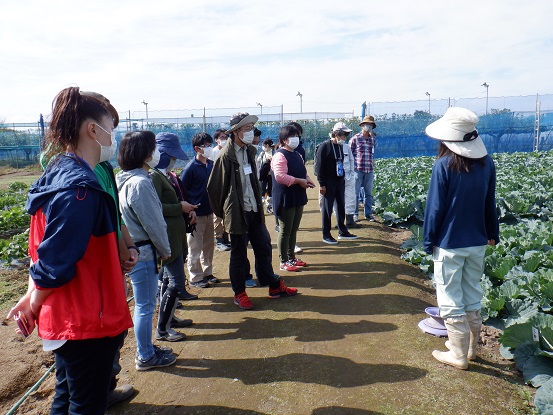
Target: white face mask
(208,152)
(107,152)
(340,142)
(222,143)
(367,128)
(247,137)
(171,165)
(293,142)
(155,159)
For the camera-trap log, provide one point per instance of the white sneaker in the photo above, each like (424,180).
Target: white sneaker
(297,250)
(222,247)
(355,218)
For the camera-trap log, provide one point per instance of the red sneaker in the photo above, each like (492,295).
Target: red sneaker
(242,301)
(298,262)
(282,291)
(288,266)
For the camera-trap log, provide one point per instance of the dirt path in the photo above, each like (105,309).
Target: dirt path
(349,344)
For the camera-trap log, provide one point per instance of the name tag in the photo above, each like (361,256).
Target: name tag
(248,169)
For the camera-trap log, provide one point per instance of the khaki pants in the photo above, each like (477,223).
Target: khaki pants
(200,249)
(457,274)
(218,227)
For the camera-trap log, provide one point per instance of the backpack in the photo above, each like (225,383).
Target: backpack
(264,171)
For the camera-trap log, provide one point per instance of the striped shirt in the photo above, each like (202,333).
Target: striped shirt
(363,150)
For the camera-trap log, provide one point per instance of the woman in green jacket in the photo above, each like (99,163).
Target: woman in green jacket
(173,267)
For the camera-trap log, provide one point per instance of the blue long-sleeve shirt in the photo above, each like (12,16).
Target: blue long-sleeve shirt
(460,209)
(194,179)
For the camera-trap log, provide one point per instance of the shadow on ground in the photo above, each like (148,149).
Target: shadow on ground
(139,408)
(350,305)
(318,369)
(302,329)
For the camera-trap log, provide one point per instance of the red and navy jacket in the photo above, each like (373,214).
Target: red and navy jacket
(73,246)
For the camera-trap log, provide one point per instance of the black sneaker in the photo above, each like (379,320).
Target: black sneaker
(170,336)
(179,323)
(162,349)
(200,284)
(119,394)
(346,235)
(211,279)
(157,360)
(329,240)
(185,295)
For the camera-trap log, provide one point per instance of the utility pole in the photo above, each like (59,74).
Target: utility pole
(485,85)
(146,104)
(299,94)
(260,106)
(428,94)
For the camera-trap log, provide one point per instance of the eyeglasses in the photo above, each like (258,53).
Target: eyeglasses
(247,128)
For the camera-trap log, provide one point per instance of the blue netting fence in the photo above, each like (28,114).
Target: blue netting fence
(507,124)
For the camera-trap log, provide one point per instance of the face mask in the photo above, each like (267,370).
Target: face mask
(107,152)
(155,159)
(340,142)
(293,142)
(247,137)
(208,152)
(222,143)
(171,165)
(368,128)
(267,149)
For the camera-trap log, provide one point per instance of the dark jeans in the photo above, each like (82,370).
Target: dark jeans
(260,239)
(116,369)
(334,192)
(83,375)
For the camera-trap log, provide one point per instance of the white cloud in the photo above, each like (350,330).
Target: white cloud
(216,53)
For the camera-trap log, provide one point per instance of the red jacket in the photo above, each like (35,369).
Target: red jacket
(73,245)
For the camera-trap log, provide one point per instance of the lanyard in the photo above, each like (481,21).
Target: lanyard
(340,150)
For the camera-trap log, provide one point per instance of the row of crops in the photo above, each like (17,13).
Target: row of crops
(14,222)
(518,276)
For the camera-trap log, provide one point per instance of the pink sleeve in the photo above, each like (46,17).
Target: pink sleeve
(280,170)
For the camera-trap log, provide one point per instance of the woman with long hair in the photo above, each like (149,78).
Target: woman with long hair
(460,219)
(76,293)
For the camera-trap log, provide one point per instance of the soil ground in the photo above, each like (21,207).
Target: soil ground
(349,344)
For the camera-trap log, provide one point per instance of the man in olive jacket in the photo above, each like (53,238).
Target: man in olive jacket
(235,195)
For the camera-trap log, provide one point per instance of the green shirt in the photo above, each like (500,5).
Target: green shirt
(107,183)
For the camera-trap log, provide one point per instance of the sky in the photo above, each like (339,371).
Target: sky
(186,55)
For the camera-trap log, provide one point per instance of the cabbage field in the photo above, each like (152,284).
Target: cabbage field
(14,222)
(518,276)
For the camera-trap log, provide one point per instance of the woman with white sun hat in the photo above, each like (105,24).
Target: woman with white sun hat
(460,219)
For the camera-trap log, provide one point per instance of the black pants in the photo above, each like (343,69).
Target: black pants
(260,239)
(267,187)
(334,192)
(116,369)
(83,375)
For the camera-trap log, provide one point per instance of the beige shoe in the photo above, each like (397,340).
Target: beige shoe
(459,337)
